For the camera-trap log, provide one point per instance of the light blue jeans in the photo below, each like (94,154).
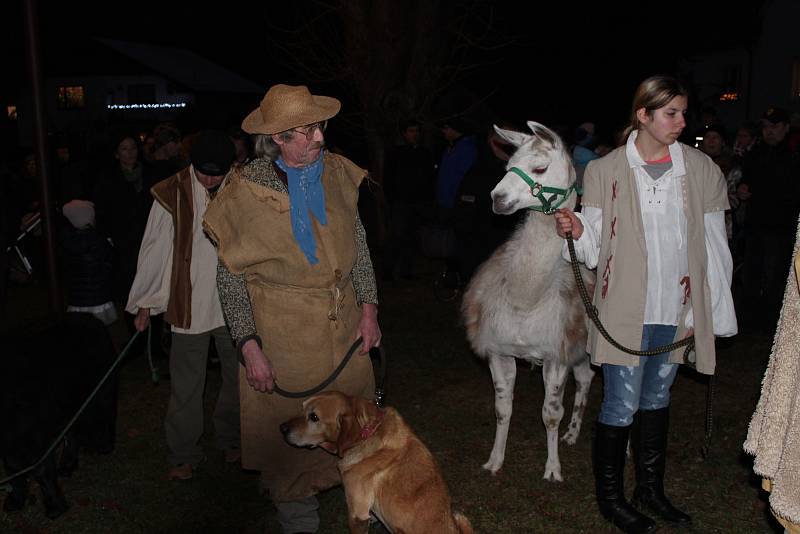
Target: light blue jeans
(629,389)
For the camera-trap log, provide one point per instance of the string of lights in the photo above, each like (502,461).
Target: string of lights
(147,106)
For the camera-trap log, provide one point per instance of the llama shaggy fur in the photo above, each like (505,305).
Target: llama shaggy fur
(523,301)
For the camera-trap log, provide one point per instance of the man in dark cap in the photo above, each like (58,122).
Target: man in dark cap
(771,184)
(176,275)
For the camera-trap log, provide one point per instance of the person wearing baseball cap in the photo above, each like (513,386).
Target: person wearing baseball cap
(774,125)
(176,276)
(771,185)
(297,287)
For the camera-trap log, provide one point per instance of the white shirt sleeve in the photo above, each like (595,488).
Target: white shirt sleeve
(150,287)
(720,276)
(587,247)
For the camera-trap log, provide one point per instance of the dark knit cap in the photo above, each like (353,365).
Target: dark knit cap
(212,152)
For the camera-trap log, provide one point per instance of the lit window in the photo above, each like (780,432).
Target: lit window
(71,97)
(731,82)
(12,112)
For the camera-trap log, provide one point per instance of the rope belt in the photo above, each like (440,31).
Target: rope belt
(335,292)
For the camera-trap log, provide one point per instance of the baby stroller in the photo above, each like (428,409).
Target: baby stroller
(20,268)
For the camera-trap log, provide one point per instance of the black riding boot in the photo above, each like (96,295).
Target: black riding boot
(610,445)
(649,440)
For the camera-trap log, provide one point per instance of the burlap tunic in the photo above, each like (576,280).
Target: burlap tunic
(306,315)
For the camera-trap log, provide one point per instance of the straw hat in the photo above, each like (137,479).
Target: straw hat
(286,106)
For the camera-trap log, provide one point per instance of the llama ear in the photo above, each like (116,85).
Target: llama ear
(515,138)
(545,134)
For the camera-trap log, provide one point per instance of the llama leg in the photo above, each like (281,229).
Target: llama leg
(582,371)
(504,374)
(554,375)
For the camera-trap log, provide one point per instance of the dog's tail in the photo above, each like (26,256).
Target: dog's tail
(463,523)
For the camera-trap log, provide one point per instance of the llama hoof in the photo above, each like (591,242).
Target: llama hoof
(492,466)
(553,474)
(570,438)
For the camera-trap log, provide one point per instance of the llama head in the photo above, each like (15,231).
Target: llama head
(541,156)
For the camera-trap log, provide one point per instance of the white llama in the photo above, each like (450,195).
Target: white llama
(523,301)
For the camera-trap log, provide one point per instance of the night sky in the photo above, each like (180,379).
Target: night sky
(569,62)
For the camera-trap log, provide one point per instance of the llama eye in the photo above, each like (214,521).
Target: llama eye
(313,417)
(541,170)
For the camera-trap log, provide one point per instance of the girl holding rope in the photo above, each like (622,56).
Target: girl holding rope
(653,224)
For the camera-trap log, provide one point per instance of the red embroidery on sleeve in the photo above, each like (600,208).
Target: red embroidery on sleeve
(614,190)
(613,227)
(606,274)
(687,289)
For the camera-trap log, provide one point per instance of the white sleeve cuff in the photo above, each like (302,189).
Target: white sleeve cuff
(587,248)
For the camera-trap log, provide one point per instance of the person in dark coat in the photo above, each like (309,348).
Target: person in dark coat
(408,186)
(478,229)
(122,204)
(87,259)
(771,185)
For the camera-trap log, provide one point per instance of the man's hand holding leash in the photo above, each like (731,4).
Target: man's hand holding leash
(258,369)
(368,329)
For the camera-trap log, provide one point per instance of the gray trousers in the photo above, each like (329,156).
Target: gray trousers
(187,367)
(299,516)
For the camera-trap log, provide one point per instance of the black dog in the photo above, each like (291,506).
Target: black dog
(46,373)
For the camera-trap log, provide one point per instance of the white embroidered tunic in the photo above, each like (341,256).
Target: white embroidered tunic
(662,201)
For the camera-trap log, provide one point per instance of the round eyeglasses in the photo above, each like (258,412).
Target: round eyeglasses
(311,128)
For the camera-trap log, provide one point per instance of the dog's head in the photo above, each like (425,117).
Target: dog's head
(330,420)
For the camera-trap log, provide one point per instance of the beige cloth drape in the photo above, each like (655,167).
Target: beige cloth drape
(774,433)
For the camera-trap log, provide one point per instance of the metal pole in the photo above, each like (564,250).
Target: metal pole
(48,226)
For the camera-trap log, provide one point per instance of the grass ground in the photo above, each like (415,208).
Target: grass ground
(445,394)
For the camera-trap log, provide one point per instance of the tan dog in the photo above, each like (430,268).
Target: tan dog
(385,468)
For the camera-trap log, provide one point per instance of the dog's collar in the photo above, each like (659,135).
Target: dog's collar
(372,426)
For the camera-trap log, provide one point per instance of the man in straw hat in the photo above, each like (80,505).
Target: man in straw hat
(176,275)
(297,287)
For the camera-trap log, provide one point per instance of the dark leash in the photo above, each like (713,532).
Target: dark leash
(379,380)
(591,311)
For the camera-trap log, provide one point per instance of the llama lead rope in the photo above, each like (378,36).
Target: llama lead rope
(591,311)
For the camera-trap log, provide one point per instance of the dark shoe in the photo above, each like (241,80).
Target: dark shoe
(16,500)
(232,456)
(610,444)
(649,441)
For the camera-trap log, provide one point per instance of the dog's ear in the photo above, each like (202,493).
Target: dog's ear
(349,430)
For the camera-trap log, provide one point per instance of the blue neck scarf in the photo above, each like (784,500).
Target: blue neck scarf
(306,198)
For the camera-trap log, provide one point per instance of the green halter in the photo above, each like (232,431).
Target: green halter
(538,190)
